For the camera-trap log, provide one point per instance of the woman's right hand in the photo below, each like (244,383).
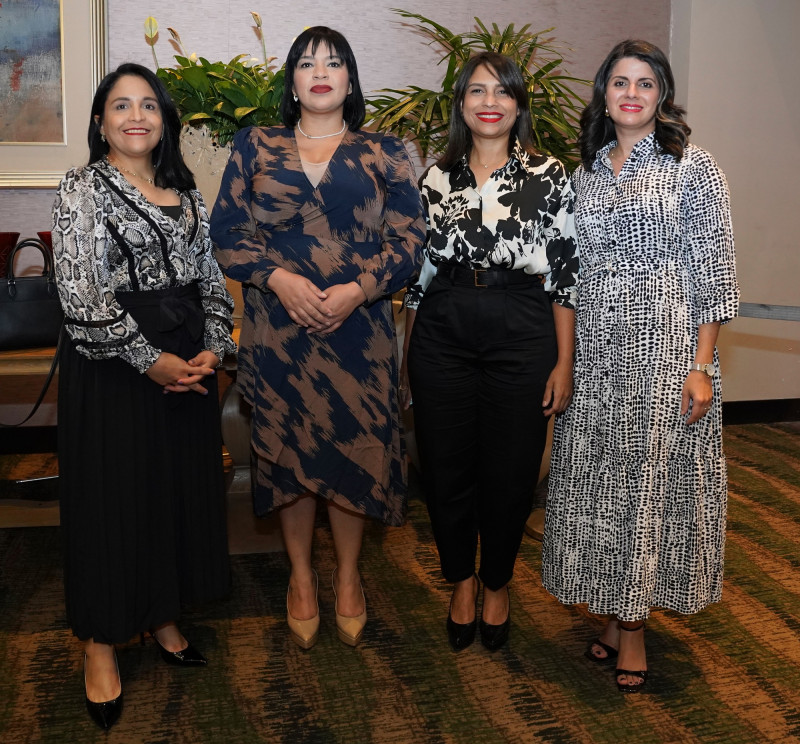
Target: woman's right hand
(302,299)
(176,375)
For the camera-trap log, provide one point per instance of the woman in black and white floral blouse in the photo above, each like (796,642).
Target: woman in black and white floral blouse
(140,451)
(489,337)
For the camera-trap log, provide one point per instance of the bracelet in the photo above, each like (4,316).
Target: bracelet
(707,369)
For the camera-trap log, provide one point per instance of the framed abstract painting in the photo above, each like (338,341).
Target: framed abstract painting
(52,57)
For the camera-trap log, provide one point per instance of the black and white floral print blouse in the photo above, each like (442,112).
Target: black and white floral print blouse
(521,218)
(107,237)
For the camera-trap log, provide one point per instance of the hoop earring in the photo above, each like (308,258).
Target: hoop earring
(102,137)
(294,95)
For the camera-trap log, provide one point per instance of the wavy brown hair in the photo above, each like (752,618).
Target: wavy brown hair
(597,129)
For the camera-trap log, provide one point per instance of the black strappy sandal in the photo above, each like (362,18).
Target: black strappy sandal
(631,689)
(611,652)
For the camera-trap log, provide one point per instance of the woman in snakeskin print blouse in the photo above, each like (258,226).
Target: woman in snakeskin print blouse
(140,452)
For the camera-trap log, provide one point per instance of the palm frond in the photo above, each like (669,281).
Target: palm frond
(424,115)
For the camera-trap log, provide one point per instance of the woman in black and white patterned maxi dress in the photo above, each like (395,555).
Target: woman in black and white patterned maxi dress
(638,484)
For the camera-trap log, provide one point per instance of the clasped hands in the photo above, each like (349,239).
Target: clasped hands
(316,310)
(176,375)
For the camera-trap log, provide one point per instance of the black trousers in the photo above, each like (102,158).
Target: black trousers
(478,362)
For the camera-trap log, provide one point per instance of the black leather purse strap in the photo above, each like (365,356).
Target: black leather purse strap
(47,382)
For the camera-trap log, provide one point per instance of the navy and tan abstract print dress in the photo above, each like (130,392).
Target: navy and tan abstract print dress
(325,416)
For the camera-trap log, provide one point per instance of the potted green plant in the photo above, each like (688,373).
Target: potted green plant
(222,96)
(423,115)
(227,96)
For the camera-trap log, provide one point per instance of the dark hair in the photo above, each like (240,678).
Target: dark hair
(597,129)
(354,108)
(170,170)
(508,74)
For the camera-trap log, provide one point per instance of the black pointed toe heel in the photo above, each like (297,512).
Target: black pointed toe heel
(105,714)
(494,637)
(188,657)
(462,635)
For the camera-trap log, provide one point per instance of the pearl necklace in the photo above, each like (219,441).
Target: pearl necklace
(322,136)
(130,172)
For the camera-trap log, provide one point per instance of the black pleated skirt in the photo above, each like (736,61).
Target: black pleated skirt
(141,486)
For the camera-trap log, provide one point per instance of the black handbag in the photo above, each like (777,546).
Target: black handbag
(30,311)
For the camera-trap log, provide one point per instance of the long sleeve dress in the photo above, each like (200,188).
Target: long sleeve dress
(325,411)
(140,472)
(637,499)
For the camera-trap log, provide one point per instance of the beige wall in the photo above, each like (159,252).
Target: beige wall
(737,64)
(389,55)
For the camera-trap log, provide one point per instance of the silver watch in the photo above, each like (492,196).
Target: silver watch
(705,368)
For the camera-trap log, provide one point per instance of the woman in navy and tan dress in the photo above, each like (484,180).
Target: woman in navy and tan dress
(321,222)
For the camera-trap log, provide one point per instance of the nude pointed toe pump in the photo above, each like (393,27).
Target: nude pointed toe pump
(304,632)
(349,629)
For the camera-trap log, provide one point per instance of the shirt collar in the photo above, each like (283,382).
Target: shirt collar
(463,177)
(643,148)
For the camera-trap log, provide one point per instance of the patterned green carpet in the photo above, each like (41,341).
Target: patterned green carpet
(729,674)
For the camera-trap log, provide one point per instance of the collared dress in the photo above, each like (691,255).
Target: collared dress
(637,499)
(325,408)
(140,472)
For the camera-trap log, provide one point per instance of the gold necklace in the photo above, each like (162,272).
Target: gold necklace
(498,165)
(487,165)
(130,172)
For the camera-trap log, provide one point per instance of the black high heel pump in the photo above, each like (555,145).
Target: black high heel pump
(188,657)
(105,714)
(494,637)
(462,635)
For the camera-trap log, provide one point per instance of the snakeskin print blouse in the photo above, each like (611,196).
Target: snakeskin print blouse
(107,237)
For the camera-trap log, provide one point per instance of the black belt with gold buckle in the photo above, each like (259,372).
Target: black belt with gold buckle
(485,278)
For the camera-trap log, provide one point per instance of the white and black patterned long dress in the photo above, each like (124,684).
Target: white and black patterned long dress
(637,499)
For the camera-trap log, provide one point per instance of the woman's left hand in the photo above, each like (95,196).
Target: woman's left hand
(558,391)
(340,302)
(697,395)
(203,362)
